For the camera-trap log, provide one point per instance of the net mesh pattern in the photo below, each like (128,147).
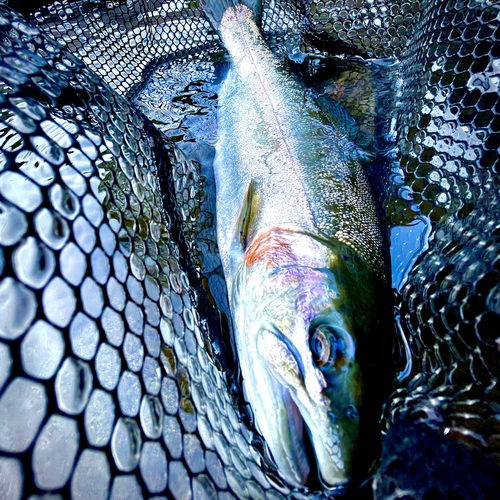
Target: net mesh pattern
(108,388)
(449,127)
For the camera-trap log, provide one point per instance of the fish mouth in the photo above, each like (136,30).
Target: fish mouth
(303,437)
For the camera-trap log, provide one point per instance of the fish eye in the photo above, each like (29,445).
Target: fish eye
(351,412)
(328,348)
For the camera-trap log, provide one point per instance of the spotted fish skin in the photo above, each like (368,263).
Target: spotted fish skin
(281,140)
(302,254)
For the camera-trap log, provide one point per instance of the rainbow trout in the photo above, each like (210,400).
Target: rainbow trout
(302,256)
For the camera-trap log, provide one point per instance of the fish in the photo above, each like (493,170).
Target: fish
(302,252)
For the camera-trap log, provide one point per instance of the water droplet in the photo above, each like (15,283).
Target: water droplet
(64,202)
(99,418)
(120,266)
(73,386)
(222,448)
(5,363)
(29,106)
(170,395)
(151,416)
(18,307)
(216,470)
(84,336)
(258,475)
(126,444)
(10,140)
(204,489)
(25,29)
(13,224)
(59,302)
(134,317)
(79,161)
(152,340)
(94,137)
(167,331)
(92,297)
(133,350)
(34,263)
(21,123)
(129,394)
(153,467)
(108,366)
(11,478)
(57,134)
(124,242)
(34,167)
(166,306)
(180,350)
(116,294)
(20,191)
(151,375)
(113,326)
(55,452)
(42,350)
(172,436)
(152,288)
(153,315)
(125,488)
(236,482)
(137,267)
(100,266)
(193,454)
(135,290)
(92,210)
(52,228)
(73,264)
(73,180)
(108,239)
(206,433)
(22,408)
(68,125)
(87,147)
(84,234)
(47,149)
(91,477)
(179,482)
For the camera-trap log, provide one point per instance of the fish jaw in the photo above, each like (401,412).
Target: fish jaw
(279,421)
(306,386)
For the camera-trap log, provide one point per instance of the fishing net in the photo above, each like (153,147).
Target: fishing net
(109,384)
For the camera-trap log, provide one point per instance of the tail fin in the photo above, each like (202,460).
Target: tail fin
(214,9)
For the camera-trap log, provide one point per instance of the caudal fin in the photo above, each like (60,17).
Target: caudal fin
(214,9)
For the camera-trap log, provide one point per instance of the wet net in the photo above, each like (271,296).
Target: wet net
(109,383)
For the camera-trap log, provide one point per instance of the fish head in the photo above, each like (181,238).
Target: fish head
(307,343)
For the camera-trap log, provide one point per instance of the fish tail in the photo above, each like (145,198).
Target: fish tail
(214,9)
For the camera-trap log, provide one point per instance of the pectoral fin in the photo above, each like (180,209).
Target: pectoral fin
(245,216)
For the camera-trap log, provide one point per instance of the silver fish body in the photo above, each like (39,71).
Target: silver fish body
(302,255)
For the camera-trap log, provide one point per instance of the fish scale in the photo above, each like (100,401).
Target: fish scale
(449,51)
